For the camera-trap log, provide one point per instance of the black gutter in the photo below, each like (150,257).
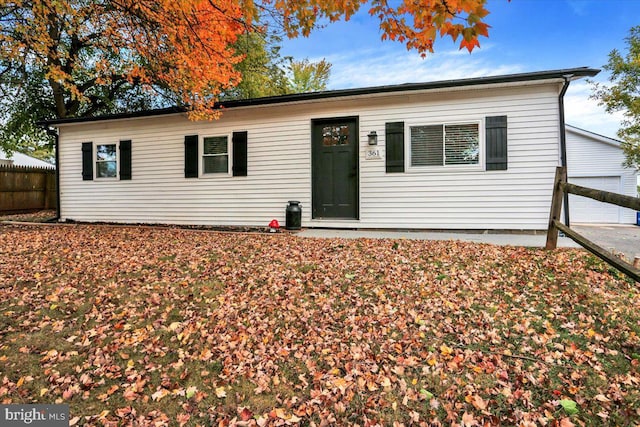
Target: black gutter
(54,133)
(563,140)
(340,93)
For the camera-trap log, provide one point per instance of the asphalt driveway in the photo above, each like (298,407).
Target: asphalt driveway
(622,238)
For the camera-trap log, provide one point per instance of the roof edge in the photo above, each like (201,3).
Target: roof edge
(593,135)
(571,73)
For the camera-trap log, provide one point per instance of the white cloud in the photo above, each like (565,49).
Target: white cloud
(389,66)
(385,67)
(585,113)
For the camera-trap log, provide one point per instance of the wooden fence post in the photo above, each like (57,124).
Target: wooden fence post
(556,207)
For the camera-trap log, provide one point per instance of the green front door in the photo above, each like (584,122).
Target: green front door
(335,168)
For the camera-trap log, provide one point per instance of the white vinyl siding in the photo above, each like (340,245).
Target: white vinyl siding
(584,209)
(279,165)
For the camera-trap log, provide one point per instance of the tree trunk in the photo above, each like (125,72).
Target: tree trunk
(53,61)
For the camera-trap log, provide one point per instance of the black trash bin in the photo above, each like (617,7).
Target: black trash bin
(293,215)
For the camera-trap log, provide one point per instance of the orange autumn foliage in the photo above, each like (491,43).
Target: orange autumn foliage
(185,46)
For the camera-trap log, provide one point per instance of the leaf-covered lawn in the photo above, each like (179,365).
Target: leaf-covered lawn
(37,216)
(151,326)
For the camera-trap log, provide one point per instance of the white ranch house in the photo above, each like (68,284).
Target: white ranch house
(476,153)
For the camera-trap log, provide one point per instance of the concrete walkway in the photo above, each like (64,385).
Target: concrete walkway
(529,240)
(617,237)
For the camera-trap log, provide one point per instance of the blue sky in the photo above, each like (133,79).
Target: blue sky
(526,35)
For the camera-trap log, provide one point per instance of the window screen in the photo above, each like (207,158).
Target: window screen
(445,145)
(215,156)
(426,145)
(461,145)
(106,161)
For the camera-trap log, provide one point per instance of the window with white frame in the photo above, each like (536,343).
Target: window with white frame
(445,145)
(215,154)
(106,161)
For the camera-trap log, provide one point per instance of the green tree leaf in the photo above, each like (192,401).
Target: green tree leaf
(622,93)
(569,406)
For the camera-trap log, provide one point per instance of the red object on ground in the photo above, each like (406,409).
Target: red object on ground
(274,224)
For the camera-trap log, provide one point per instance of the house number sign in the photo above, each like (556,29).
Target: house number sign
(372,153)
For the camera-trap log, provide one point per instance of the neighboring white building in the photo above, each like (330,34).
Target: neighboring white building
(595,161)
(20,159)
(476,153)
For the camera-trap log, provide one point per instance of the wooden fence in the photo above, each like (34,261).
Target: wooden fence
(560,187)
(24,188)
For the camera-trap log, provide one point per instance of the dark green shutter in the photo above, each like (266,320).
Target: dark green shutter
(125,159)
(394,146)
(87,161)
(496,135)
(239,141)
(191,156)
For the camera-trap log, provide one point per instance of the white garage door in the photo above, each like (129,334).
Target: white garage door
(583,209)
